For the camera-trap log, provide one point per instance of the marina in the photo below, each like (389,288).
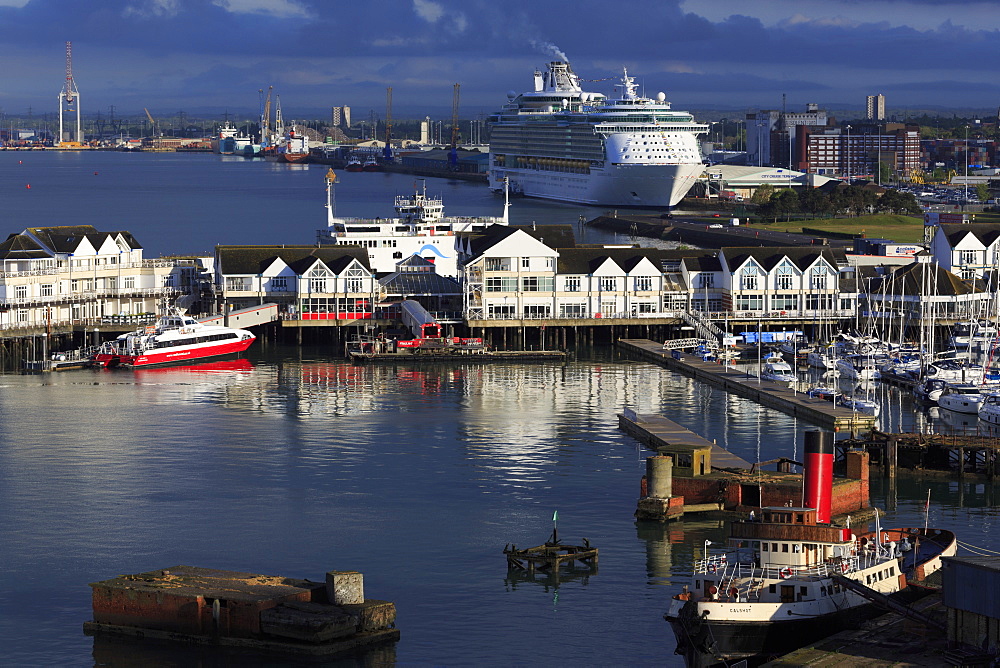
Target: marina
(773,395)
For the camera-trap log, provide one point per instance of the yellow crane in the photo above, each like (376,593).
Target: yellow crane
(265,119)
(153,126)
(387,151)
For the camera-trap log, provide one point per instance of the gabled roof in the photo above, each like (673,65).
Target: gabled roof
(67,238)
(21,247)
(987,233)
(586,260)
(703,263)
(920,279)
(770,257)
(256,259)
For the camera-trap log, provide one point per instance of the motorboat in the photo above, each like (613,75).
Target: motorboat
(865,406)
(961,398)
(989,409)
(780,372)
(858,367)
(821,359)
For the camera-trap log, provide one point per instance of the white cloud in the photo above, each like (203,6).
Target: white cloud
(977,15)
(282,9)
(148,9)
(428,10)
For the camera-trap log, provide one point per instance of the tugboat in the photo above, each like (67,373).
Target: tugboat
(794,577)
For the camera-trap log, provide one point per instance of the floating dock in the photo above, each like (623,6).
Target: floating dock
(205,606)
(660,433)
(819,412)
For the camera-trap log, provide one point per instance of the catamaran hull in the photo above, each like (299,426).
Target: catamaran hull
(169,356)
(653,186)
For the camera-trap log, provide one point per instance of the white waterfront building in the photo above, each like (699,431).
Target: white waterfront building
(77,275)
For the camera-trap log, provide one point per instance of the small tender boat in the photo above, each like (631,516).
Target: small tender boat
(826,393)
(173,339)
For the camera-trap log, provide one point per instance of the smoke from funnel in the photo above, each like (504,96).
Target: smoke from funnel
(550,49)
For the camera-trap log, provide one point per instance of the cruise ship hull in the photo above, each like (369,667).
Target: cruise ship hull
(652,186)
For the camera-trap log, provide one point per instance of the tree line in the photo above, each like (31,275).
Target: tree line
(845,200)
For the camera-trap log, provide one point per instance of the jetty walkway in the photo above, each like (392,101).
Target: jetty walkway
(820,412)
(659,432)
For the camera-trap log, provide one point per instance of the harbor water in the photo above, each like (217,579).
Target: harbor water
(295,462)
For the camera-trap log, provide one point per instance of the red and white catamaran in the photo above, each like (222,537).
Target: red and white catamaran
(174,338)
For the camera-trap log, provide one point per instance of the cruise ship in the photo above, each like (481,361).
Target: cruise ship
(563,143)
(420,228)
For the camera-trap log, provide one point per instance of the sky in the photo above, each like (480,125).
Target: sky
(209,57)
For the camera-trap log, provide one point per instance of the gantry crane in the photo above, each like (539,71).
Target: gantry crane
(453,153)
(387,151)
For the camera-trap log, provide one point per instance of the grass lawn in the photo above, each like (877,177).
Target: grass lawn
(904,229)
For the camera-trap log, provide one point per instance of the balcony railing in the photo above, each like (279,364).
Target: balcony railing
(87,295)
(83,271)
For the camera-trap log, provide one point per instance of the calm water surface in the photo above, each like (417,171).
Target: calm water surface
(298,463)
(176,203)
(416,476)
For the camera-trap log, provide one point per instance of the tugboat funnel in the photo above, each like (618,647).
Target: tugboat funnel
(817,479)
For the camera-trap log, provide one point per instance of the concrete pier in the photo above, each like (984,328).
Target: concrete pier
(820,412)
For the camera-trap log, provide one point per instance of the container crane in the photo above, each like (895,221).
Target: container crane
(387,151)
(453,153)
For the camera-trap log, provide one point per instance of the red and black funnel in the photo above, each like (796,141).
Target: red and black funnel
(817,479)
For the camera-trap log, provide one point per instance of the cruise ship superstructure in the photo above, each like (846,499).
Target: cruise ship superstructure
(560,142)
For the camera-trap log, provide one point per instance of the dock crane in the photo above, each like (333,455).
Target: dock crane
(265,116)
(387,151)
(152,124)
(453,153)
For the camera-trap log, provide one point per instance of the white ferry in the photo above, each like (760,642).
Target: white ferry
(560,142)
(421,228)
(175,338)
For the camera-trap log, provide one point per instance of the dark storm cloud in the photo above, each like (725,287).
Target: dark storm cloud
(317,50)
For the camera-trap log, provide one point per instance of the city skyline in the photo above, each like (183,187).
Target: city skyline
(213,56)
